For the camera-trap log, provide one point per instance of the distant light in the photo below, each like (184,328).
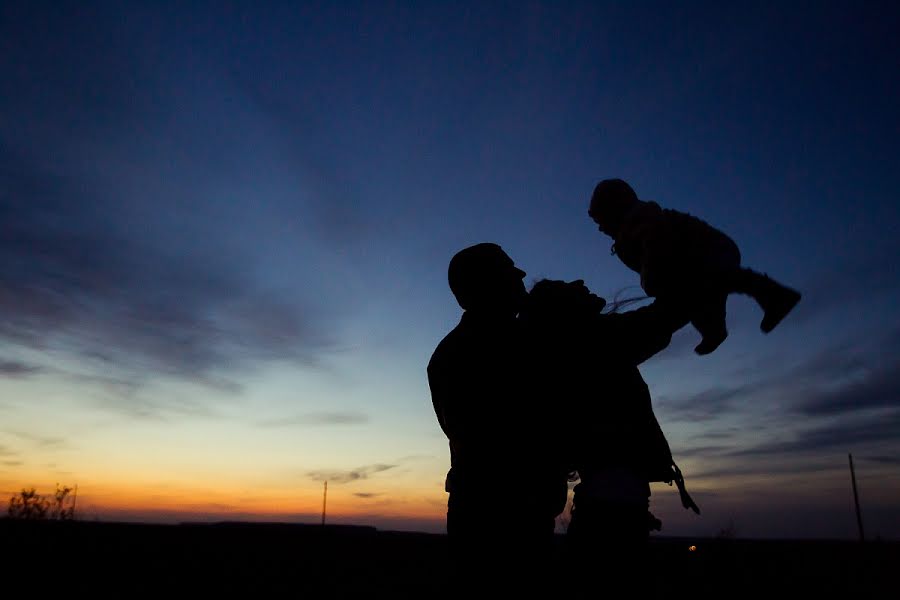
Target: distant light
(692,548)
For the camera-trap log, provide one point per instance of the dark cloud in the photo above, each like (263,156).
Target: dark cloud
(13,463)
(76,275)
(348,476)
(844,398)
(839,435)
(719,434)
(318,418)
(17,370)
(366,495)
(702,406)
(762,467)
(701,451)
(887,460)
(858,375)
(873,388)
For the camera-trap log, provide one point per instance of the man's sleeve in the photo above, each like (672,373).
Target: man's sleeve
(657,253)
(438,384)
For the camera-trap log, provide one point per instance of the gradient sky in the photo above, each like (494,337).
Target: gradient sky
(224,232)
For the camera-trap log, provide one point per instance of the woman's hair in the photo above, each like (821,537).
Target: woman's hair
(619,302)
(556,300)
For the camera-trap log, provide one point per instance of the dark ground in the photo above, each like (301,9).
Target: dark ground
(117,560)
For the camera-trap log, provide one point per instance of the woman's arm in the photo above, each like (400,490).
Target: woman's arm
(634,336)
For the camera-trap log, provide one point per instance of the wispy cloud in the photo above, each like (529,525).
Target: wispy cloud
(853,376)
(702,406)
(726,469)
(78,277)
(4,451)
(145,405)
(347,476)
(838,435)
(887,460)
(366,495)
(843,398)
(702,451)
(877,387)
(40,441)
(318,418)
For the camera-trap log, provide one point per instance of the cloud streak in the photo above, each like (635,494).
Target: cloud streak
(846,378)
(874,388)
(76,277)
(318,418)
(4,451)
(40,441)
(702,406)
(18,370)
(839,435)
(348,476)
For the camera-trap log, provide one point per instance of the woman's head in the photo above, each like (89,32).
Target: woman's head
(561,302)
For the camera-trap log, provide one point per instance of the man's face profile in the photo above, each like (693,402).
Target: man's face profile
(484,277)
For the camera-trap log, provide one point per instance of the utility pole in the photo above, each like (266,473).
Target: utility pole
(862,535)
(325,503)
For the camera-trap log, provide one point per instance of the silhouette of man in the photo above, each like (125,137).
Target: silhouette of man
(505,484)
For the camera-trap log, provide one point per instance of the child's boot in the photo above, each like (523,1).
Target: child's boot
(708,317)
(777,302)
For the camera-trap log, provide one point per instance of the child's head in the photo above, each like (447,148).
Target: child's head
(610,202)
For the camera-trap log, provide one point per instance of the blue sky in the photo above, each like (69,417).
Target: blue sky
(225,230)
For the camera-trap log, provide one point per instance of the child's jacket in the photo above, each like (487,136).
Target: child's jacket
(667,247)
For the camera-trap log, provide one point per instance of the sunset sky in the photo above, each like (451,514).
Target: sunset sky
(225,228)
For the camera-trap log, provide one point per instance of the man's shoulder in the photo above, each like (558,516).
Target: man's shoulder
(447,347)
(471,340)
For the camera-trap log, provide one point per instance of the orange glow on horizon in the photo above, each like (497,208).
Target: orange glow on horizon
(171,503)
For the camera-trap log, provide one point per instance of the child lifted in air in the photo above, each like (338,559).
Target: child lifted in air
(681,258)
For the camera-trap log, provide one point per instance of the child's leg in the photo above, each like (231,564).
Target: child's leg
(775,299)
(708,316)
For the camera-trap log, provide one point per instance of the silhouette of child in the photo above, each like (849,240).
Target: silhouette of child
(684,259)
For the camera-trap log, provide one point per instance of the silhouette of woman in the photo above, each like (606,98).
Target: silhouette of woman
(614,441)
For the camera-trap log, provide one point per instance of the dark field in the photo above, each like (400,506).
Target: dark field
(115,560)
